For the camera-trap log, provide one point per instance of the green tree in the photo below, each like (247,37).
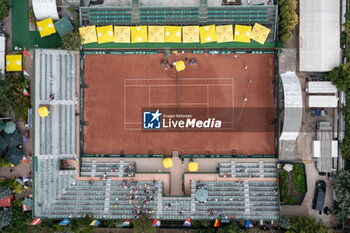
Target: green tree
(143,225)
(307,225)
(340,77)
(71,41)
(284,223)
(345,147)
(342,190)
(20,220)
(4,9)
(231,228)
(5,217)
(287,19)
(82,225)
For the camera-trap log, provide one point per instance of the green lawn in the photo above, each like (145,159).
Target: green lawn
(21,36)
(292,185)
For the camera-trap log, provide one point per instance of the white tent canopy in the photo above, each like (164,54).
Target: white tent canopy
(2,54)
(322,101)
(45,9)
(293,106)
(319,43)
(321,87)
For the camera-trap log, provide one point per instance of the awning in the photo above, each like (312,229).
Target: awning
(46,27)
(173,34)
(259,33)
(224,33)
(121,34)
(105,34)
(63,26)
(14,156)
(14,62)
(156,34)
(190,34)
(139,34)
(242,33)
(88,34)
(207,33)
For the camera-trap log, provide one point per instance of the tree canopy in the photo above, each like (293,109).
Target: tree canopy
(71,41)
(288,18)
(307,225)
(342,190)
(143,225)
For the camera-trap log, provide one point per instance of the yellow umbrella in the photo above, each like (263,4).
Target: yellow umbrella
(207,33)
(193,166)
(43,112)
(14,62)
(105,34)
(224,33)
(156,34)
(242,33)
(259,33)
(88,34)
(173,34)
(168,162)
(190,34)
(121,34)
(180,66)
(46,27)
(139,34)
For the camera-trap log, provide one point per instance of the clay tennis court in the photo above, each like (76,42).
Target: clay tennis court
(236,90)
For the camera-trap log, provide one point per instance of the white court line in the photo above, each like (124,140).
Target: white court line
(176,103)
(181,85)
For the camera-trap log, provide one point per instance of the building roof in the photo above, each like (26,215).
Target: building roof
(63,26)
(14,156)
(322,101)
(321,87)
(319,32)
(324,136)
(6,197)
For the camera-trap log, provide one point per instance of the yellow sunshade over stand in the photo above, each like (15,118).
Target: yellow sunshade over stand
(168,162)
(242,33)
(105,34)
(207,33)
(193,166)
(173,34)
(14,62)
(43,112)
(121,34)
(190,34)
(156,34)
(224,33)
(88,34)
(179,65)
(46,27)
(139,34)
(259,33)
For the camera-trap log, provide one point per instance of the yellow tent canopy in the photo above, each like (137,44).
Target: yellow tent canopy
(88,34)
(259,33)
(105,34)
(43,112)
(193,166)
(121,34)
(14,62)
(168,162)
(156,34)
(190,34)
(207,33)
(224,33)
(138,34)
(242,33)
(173,34)
(179,65)
(46,27)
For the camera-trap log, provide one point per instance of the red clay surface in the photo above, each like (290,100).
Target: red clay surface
(120,87)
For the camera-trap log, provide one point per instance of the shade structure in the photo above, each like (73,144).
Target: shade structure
(105,34)
(121,34)
(13,139)
(14,62)
(207,33)
(202,195)
(10,127)
(259,33)
(27,204)
(46,27)
(63,26)
(139,34)
(167,163)
(173,34)
(242,33)
(88,34)
(2,125)
(43,112)
(190,34)
(224,33)
(193,166)
(14,155)
(156,34)
(179,66)
(3,144)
